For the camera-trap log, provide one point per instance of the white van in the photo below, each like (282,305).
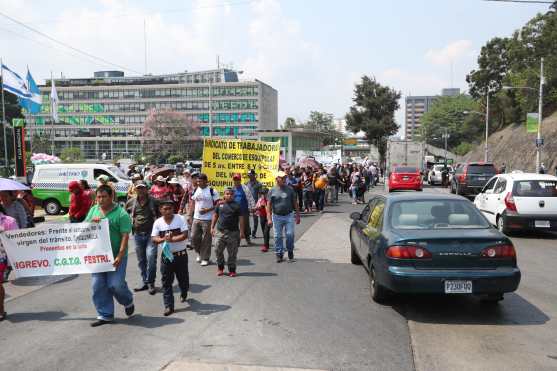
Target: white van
(50,183)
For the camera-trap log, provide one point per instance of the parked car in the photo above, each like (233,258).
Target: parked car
(431,243)
(404,178)
(520,201)
(435,175)
(470,178)
(50,183)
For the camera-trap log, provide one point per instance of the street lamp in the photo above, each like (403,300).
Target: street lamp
(540,112)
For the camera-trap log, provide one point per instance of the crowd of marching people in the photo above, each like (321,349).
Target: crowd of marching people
(167,216)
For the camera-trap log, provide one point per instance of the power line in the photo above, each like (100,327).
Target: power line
(67,45)
(50,47)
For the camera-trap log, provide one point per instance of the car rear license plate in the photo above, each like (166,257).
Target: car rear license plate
(458,287)
(542,224)
(405,178)
(481,178)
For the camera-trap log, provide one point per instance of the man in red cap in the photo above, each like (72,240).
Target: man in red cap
(244,198)
(80,202)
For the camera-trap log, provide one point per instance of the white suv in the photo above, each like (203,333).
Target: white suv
(520,202)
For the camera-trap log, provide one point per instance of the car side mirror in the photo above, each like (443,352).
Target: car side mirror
(355,215)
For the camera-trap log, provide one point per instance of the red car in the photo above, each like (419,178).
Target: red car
(405,178)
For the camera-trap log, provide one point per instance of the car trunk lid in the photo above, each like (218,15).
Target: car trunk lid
(535,197)
(450,252)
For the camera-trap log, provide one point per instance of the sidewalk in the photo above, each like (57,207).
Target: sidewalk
(328,238)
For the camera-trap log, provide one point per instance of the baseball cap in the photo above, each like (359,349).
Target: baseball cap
(103,178)
(237,177)
(173,181)
(141,183)
(281,174)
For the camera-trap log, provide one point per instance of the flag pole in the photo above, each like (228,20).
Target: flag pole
(4,119)
(52,117)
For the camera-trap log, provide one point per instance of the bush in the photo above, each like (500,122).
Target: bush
(71,154)
(463,148)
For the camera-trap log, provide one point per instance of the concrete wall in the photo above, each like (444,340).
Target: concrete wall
(268,107)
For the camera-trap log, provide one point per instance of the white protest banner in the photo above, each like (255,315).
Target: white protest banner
(55,249)
(323,157)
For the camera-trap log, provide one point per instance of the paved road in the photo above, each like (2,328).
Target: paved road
(315,314)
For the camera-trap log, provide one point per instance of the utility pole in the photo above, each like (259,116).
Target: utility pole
(486,149)
(539,143)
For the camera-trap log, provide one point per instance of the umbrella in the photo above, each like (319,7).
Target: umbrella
(164,172)
(12,185)
(309,162)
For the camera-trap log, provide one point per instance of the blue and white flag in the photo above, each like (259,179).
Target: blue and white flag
(13,83)
(33,103)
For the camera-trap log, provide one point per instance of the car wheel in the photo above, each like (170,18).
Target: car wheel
(354,258)
(502,224)
(52,207)
(377,292)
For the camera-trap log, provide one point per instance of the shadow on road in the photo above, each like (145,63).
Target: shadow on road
(244,262)
(42,280)
(256,274)
(195,288)
(463,310)
(140,320)
(40,316)
(205,309)
(538,235)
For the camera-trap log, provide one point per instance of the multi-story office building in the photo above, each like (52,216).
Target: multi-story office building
(105,114)
(416,106)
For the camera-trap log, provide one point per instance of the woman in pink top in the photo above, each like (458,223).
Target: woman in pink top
(160,190)
(7,223)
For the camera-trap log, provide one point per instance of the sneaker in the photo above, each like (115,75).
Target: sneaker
(168,311)
(253,236)
(152,289)
(183,298)
(291,257)
(220,272)
(279,258)
(204,263)
(232,274)
(100,322)
(130,309)
(265,249)
(198,259)
(142,288)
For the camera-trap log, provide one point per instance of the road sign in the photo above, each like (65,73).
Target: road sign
(539,142)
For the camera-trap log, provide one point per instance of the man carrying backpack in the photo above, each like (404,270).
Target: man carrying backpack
(144,211)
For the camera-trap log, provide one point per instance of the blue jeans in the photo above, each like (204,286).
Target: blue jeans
(146,252)
(108,286)
(286,223)
(319,195)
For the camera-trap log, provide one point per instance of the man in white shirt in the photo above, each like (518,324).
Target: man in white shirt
(170,228)
(203,206)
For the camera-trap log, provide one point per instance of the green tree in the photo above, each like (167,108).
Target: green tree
(373,112)
(319,121)
(13,110)
(40,144)
(290,123)
(458,115)
(71,154)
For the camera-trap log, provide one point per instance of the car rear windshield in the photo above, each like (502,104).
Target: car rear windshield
(481,169)
(405,169)
(435,214)
(535,188)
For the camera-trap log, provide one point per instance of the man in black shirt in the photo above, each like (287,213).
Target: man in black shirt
(224,227)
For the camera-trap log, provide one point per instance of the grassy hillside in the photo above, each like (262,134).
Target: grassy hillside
(516,148)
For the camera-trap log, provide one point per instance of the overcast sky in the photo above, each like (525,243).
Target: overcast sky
(311,51)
